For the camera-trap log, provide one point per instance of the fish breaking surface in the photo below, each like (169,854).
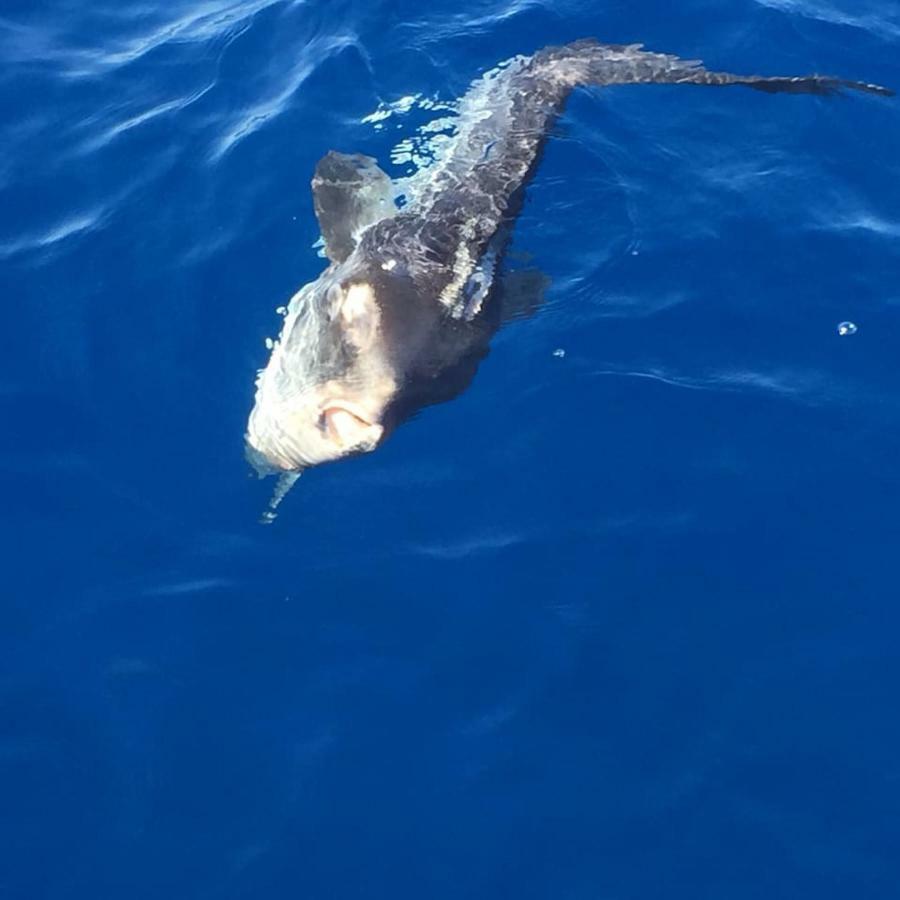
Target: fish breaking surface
(406,308)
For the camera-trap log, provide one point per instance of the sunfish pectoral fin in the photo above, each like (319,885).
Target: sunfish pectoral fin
(350,193)
(522,294)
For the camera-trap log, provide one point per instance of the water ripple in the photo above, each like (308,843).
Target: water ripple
(76,224)
(86,221)
(792,384)
(468,546)
(134,121)
(191,586)
(860,220)
(199,23)
(885,27)
(250,120)
(467,22)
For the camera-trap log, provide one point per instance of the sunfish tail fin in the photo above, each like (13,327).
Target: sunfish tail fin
(589,62)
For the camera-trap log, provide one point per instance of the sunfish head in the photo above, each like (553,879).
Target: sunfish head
(331,377)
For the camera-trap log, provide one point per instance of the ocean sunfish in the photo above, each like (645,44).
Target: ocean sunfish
(404,312)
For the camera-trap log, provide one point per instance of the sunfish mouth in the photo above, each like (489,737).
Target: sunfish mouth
(350,426)
(270,460)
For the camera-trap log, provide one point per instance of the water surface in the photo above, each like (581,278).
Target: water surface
(617,623)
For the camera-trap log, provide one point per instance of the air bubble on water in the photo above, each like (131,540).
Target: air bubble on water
(846,328)
(559,353)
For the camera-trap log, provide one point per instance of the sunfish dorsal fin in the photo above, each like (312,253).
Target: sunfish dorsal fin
(350,193)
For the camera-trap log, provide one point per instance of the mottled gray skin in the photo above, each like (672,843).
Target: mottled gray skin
(475,200)
(423,308)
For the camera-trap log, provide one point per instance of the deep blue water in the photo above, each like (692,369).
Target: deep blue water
(615,624)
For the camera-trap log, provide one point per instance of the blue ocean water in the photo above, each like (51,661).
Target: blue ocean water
(620,622)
